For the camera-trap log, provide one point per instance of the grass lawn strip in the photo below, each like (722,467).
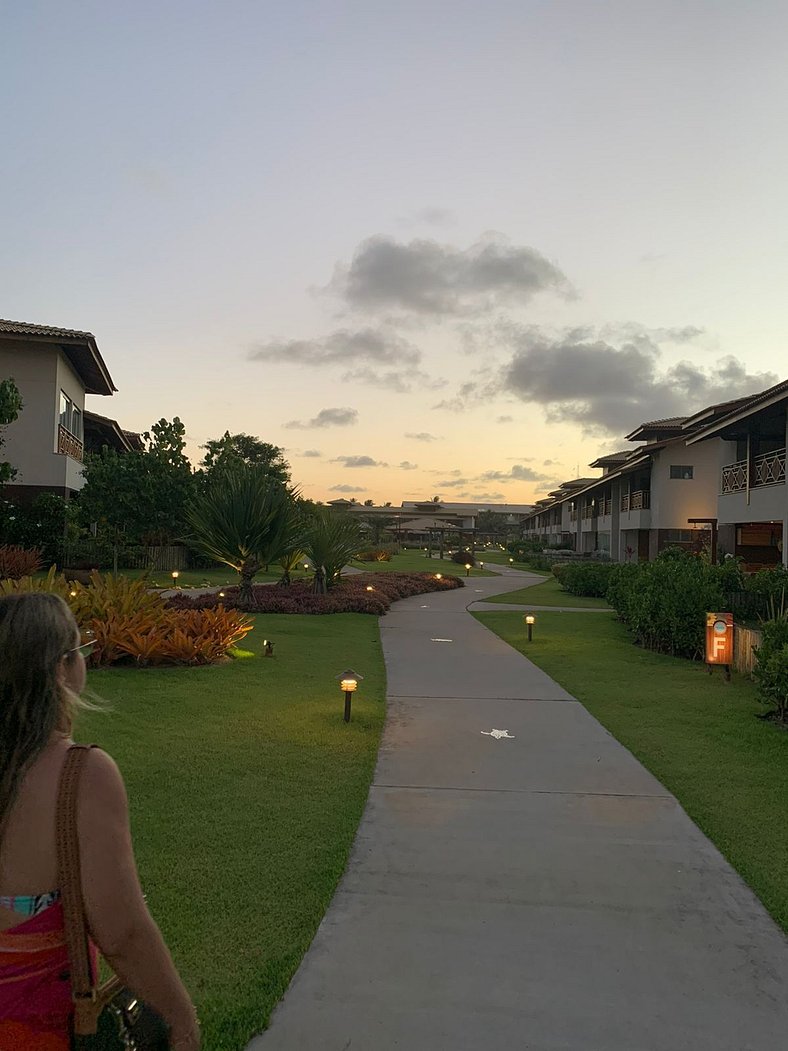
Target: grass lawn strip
(246,789)
(548,592)
(417,562)
(695,733)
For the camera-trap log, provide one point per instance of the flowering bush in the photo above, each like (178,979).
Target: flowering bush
(361,593)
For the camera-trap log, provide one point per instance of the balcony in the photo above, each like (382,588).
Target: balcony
(573,516)
(588,511)
(605,507)
(766,469)
(68,445)
(640,500)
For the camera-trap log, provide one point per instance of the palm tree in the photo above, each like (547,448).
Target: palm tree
(329,542)
(245,519)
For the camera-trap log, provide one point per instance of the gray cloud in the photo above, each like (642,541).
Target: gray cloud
(359,461)
(611,387)
(427,278)
(346,489)
(406,465)
(429,217)
(397,382)
(504,419)
(516,473)
(326,418)
(343,347)
(483,497)
(550,463)
(452,483)
(422,436)
(311,453)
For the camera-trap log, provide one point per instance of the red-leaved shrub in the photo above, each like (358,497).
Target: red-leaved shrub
(361,593)
(17,562)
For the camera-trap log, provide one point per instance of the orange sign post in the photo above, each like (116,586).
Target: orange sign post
(719,641)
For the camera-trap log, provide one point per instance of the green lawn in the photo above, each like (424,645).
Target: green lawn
(696,733)
(548,592)
(203,577)
(417,562)
(246,789)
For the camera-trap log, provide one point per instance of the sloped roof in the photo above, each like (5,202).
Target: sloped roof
(79,347)
(741,410)
(670,423)
(420,524)
(109,432)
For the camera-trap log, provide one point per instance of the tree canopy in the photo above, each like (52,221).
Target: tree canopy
(244,450)
(11,405)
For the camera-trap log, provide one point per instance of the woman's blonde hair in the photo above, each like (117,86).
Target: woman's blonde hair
(37,630)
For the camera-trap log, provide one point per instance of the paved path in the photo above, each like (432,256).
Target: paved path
(543,892)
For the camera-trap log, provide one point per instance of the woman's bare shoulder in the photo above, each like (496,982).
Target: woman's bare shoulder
(102,785)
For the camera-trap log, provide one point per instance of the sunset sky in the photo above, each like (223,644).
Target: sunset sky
(430,248)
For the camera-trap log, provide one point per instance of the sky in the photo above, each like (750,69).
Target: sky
(428,248)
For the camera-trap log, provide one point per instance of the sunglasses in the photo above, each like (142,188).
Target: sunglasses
(86,647)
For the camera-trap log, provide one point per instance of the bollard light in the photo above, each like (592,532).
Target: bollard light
(370,588)
(481,565)
(221,594)
(439,576)
(268,648)
(529,619)
(348,683)
(511,561)
(175,575)
(306,565)
(467,569)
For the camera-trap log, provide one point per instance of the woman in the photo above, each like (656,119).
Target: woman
(42,673)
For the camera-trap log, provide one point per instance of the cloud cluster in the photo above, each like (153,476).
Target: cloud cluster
(343,347)
(406,465)
(612,385)
(358,461)
(346,489)
(426,278)
(326,418)
(311,453)
(421,436)
(518,473)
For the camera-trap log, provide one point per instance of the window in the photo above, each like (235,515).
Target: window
(65,411)
(680,470)
(76,422)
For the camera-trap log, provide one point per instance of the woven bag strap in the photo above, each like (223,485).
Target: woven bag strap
(70,881)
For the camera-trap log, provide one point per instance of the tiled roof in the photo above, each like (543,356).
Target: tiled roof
(27,328)
(79,347)
(739,409)
(612,458)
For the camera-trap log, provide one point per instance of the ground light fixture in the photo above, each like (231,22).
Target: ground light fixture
(175,575)
(370,588)
(439,576)
(348,683)
(467,569)
(511,561)
(481,565)
(530,620)
(306,566)
(268,648)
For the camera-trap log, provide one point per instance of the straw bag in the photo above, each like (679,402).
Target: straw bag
(108,1017)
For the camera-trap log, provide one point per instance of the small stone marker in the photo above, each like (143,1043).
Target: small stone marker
(498,734)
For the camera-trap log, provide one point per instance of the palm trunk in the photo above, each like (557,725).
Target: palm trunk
(248,570)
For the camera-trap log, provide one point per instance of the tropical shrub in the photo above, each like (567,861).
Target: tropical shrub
(375,554)
(664,602)
(771,666)
(17,562)
(330,541)
(362,593)
(769,583)
(244,519)
(585,578)
(46,523)
(131,624)
(463,557)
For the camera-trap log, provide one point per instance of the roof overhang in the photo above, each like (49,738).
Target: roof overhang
(751,407)
(109,430)
(79,348)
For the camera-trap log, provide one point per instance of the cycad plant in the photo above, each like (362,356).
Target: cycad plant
(329,541)
(245,519)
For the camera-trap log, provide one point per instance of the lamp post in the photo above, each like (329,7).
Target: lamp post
(348,683)
(467,569)
(529,619)
(175,575)
(268,648)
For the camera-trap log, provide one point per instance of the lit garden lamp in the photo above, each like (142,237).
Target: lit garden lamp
(221,594)
(511,561)
(439,576)
(268,648)
(370,588)
(467,569)
(481,565)
(530,620)
(175,575)
(348,683)
(306,567)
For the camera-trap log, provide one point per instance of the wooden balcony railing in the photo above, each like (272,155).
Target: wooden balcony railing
(68,445)
(588,511)
(605,507)
(573,516)
(640,500)
(766,469)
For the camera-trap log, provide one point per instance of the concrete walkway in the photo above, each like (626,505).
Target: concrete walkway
(541,891)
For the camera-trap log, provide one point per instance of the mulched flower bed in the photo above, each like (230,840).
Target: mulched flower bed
(351,595)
